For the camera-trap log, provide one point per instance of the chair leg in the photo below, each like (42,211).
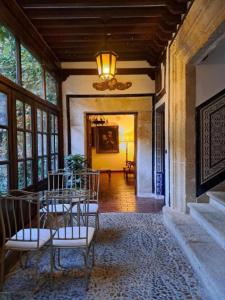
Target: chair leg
(97,224)
(52,265)
(2,269)
(93,254)
(86,269)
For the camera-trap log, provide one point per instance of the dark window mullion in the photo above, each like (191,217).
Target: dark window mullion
(25,146)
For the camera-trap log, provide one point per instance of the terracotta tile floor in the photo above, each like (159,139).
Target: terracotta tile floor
(117,195)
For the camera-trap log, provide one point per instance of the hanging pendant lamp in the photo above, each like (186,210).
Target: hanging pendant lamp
(106,63)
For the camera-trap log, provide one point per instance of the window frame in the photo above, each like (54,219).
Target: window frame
(54,133)
(24,130)
(44,69)
(42,133)
(7,162)
(14,90)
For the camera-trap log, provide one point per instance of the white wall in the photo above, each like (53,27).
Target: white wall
(141,84)
(143,106)
(210,74)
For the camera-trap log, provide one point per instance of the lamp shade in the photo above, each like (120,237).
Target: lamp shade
(106,62)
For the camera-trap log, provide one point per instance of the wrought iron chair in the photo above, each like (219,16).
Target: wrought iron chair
(68,234)
(20,225)
(57,181)
(86,183)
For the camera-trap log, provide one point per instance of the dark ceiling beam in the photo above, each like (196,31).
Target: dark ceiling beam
(96,30)
(120,71)
(123,57)
(92,52)
(172,6)
(111,45)
(96,21)
(68,41)
(70,13)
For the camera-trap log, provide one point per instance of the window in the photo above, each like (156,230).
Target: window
(24,144)
(4,152)
(54,142)
(42,144)
(7,54)
(51,89)
(32,78)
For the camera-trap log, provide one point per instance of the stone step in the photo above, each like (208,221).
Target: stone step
(211,219)
(217,199)
(206,257)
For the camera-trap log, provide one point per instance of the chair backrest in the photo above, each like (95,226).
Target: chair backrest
(87,181)
(19,215)
(68,226)
(59,179)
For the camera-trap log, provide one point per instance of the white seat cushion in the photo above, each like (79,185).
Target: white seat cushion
(69,236)
(58,208)
(24,240)
(93,208)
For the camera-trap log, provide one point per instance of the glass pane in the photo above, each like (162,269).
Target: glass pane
(3,109)
(39,120)
(53,162)
(31,73)
(21,175)
(29,173)
(51,89)
(4,178)
(45,167)
(40,144)
(56,124)
(28,117)
(29,145)
(44,144)
(7,54)
(40,177)
(19,114)
(20,144)
(52,144)
(3,144)
(44,121)
(56,143)
(52,124)
(56,162)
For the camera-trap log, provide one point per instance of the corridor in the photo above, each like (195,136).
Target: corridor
(117,195)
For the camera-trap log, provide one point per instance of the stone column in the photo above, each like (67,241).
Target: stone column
(194,39)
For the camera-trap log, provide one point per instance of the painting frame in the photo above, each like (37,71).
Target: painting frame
(107,139)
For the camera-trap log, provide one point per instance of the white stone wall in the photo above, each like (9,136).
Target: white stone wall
(210,74)
(143,106)
(200,30)
(141,84)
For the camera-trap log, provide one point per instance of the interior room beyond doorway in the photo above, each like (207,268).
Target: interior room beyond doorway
(112,141)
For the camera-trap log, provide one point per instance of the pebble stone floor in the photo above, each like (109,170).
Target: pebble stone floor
(136,258)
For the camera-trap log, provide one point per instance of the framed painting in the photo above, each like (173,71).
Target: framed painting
(107,139)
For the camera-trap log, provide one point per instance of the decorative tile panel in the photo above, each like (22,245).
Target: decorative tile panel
(210,124)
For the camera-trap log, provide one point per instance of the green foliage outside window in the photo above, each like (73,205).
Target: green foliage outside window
(3,179)
(31,73)
(4,155)
(7,54)
(51,89)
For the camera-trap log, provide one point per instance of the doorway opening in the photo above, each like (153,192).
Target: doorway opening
(111,148)
(160,151)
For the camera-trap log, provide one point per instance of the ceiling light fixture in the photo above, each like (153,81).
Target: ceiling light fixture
(106,63)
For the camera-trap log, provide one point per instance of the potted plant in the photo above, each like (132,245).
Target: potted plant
(75,162)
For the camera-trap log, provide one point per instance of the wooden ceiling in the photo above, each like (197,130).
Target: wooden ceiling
(135,29)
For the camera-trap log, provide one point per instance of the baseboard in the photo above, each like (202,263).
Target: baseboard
(150,195)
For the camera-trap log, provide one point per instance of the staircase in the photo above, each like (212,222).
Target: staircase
(201,234)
